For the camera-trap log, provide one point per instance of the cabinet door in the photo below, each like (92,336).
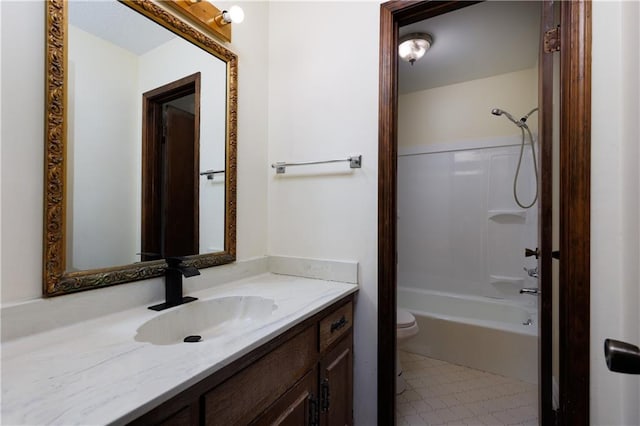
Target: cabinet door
(336,384)
(188,416)
(179,411)
(295,407)
(251,391)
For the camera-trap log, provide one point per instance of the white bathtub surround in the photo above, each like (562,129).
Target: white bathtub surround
(96,372)
(330,270)
(476,332)
(40,315)
(459,228)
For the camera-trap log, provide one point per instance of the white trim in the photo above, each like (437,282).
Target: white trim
(462,145)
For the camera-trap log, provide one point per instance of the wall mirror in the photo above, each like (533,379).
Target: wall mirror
(140,145)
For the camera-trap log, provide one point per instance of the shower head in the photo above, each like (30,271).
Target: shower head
(519,123)
(498,112)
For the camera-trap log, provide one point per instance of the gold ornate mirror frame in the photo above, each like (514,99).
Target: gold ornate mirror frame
(56,280)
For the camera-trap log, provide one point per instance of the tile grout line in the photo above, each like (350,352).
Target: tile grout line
(440,393)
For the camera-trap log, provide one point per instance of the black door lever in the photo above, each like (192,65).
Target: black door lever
(622,357)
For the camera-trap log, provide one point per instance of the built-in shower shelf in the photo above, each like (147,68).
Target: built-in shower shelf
(507,214)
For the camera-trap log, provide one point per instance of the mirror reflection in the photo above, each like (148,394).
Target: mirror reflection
(146,116)
(112,201)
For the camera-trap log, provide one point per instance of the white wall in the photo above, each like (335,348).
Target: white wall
(463,111)
(22,148)
(614,206)
(23,145)
(102,152)
(250,43)
(323,104)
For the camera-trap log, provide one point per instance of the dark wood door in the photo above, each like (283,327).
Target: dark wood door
(294,408)
(336,385)
(180,235)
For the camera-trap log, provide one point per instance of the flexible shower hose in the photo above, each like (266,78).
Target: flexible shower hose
(535,167)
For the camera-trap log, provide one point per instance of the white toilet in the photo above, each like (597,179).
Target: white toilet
(406,328)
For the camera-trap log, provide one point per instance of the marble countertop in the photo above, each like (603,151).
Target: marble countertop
(97,373)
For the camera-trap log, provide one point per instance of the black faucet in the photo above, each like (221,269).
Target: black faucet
(173,283)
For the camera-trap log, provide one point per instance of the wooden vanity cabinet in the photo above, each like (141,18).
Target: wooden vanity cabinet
(294,408)
(302,377)
(336,367)
(336,385)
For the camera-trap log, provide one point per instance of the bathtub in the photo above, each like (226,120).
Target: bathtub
(492,335)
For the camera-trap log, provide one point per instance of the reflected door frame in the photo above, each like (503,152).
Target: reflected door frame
(575,169)
(154,185)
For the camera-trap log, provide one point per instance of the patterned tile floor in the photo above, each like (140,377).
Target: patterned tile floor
(439,393)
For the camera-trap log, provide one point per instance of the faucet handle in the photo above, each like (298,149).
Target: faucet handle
(528,252)
(149,255)
(175,262)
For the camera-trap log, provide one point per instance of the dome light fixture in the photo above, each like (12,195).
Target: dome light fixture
(412,47)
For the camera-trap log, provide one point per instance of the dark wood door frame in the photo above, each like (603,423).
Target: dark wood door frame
(575,165)
(152,167)
(546,414)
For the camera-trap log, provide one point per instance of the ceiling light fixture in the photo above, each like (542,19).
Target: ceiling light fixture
(412,47)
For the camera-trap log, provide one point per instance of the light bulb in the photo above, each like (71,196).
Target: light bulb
(235,15)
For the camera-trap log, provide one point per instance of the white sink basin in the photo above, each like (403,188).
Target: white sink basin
(206,318)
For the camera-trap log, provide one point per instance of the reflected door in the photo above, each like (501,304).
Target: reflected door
(179,221)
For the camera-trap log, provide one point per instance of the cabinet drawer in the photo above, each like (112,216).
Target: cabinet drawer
(242,397)
(335,325)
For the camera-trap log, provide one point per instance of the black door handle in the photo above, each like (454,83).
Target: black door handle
(622,357)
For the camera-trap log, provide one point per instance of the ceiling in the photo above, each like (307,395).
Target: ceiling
(489,38)
(118,24)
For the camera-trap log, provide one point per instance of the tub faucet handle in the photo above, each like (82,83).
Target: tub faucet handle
(533,272)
